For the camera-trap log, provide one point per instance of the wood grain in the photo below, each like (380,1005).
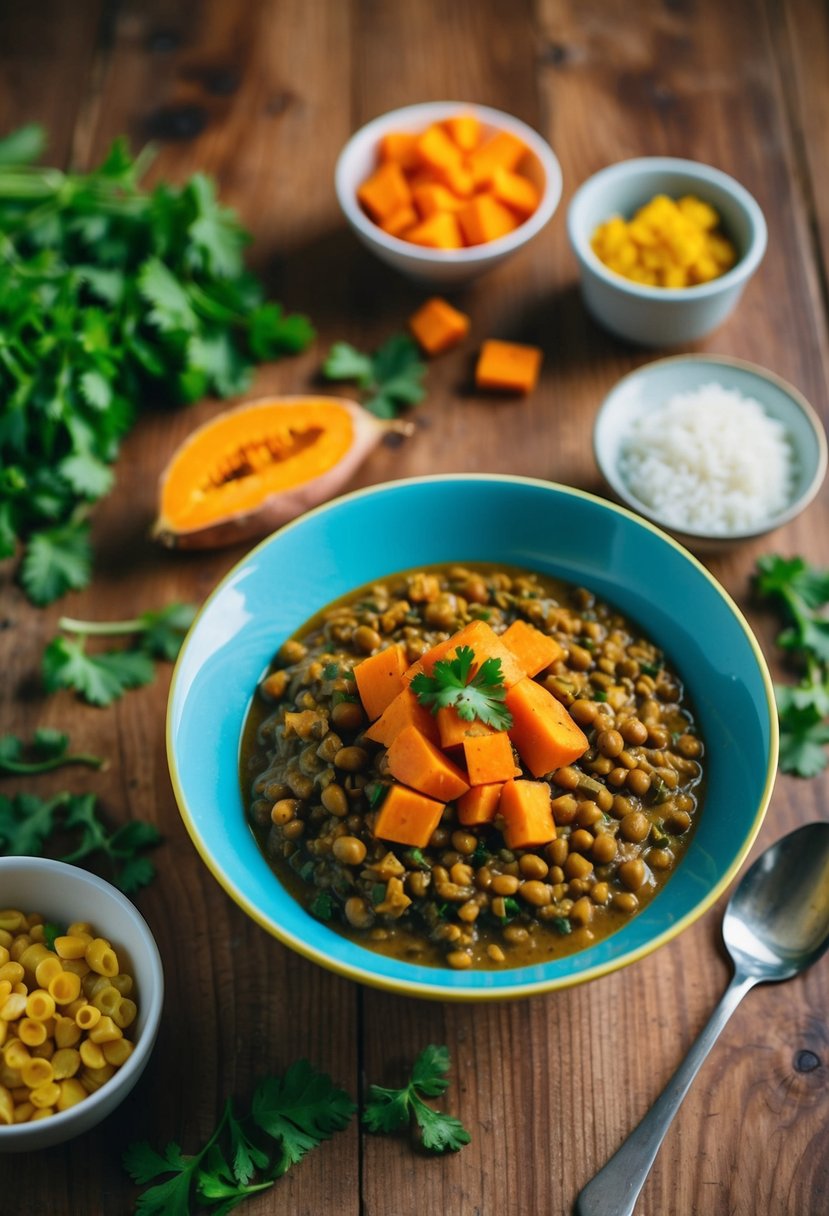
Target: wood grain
(262,95)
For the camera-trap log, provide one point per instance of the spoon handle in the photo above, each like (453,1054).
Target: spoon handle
(615,1189)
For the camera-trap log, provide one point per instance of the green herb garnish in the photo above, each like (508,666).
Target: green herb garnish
(480,697)
(390,1110)
(288,1116)
(27,822)
(330,671)
(102,678)
(51,932)
(511,909)
(801,591)
(48,750)
(322,907)
(109,294)
(389,380)
(562,925)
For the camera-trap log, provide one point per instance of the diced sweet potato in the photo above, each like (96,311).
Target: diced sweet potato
(516,192)
(385,191)
(400,146)
(405,710)
(534,650)
(380,678)
(508,366)
(407,817)
(453,729)
(479,804)
(528,818)
(430,197)
(400,221)
(501,151)
(437,325)
(464,130)
(489,758)
(415,761)
(440,231)
(436,150)
(542,730)
(485,219)
(486,644)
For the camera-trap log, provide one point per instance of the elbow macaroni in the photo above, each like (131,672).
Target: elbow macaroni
(64,1017)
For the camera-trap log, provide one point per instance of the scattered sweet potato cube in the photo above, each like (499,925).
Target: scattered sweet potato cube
(380,678)
(405,710)
(528,818)
(416,762)
(385,191)
(508,366)
(479,805)
(489,758)
(542,730)
(437,325)
(407,817)
(534,650)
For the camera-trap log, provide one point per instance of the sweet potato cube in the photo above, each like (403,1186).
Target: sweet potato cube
(407,817)
(436,150)
(515,191)
(458,179)
(464,130)
(489,758)
(508,366)
(385,191)
(534,650)
(437,325)
(400,146)
(440,231)
(542,730)
(400,220)
(405,710)
(479,804)
(453,729)
(380,678)
(486,644)
(415,761)
(485,219)
(528,819)
(432,196)
(501,151)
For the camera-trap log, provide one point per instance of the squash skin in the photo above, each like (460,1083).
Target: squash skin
(273,509)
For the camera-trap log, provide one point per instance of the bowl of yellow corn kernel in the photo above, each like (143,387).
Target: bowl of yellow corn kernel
(665,247)
(81,991)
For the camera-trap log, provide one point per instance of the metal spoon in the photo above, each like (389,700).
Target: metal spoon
(775,926)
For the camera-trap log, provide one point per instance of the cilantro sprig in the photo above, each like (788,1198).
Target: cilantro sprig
(801,592)
(101,678)
(48,750)
(289,1115)
(480,696)
(391,1110)
(27,823)
(110,294)
(389,380)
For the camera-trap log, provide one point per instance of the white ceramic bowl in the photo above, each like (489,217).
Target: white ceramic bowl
(64,893)
(654,383)
(447,266)
(660,316)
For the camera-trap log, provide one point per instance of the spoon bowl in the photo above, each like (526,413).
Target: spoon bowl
(775,926)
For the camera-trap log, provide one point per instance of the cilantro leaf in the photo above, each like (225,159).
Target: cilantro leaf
(23,145)
(57,560)
(389,380)
(300,1110)
(389,1110)
(49,750)
(26,821)
(170,1198)
(480,696)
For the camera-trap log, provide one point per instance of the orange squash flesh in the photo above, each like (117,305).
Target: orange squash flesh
(252,468)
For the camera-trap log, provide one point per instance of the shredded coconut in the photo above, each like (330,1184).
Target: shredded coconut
(710,461)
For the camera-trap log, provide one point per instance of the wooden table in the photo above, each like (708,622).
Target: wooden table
(262,95)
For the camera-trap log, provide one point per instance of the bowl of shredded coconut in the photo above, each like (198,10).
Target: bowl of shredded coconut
(713,449)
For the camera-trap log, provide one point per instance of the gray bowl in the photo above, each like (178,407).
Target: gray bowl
(662,316)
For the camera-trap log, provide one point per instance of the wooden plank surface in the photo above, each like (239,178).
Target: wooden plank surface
(262,95)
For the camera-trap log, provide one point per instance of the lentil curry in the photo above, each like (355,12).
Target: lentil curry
(622,812)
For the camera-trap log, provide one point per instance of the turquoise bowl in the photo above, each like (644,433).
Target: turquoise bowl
(468,518)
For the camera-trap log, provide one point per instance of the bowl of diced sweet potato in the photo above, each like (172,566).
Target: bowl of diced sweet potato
(445,190)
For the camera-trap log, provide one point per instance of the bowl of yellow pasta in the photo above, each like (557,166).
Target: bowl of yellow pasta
(81,993)
(665,248)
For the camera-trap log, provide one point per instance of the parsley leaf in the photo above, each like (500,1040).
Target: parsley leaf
(48,750)
(103,677)
(389,380)
(390,1110)
(801,592)
(57,560)
(289,1116)
(480,696)
(27,822)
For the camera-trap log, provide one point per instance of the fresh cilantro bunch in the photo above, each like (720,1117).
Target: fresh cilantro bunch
(109,295)
(801,591)
(48,750)
(289,1115)
(480,697)
(389,380)
(28,822)
(390,1110)
(103,677)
